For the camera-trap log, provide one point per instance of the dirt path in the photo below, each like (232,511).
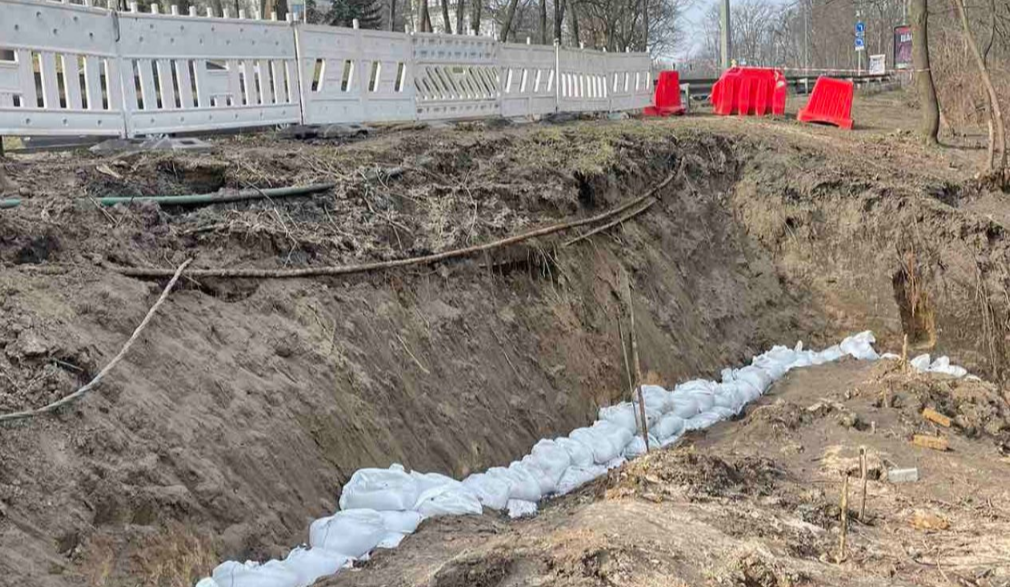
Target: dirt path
(755,502)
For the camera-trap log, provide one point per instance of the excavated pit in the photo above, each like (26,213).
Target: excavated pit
(249,402)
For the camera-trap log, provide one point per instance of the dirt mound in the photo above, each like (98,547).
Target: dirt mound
(694,475)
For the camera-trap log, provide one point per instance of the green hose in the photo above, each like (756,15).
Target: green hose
(202,199)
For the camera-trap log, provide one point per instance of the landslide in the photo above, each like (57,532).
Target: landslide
(247,403)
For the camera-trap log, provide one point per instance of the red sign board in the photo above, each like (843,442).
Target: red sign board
(903,47)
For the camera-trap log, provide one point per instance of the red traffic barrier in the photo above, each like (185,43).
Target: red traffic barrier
(666,101)
(830,102)
(749,91)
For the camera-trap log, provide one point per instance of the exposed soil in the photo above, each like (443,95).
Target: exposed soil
(247,403)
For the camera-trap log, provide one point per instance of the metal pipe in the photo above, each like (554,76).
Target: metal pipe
(202,199)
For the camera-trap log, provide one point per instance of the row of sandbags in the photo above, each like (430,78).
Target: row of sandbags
(379,507)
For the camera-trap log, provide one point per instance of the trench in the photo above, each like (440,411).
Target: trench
(249,410)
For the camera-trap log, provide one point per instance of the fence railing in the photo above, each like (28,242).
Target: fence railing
(83,70)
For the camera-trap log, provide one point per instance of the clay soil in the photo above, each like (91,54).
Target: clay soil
(247,404)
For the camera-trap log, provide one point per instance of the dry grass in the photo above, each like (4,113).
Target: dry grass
(178,556)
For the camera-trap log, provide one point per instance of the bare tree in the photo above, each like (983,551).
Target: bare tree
(576,39)
(543,22)
(997,140)
(460,8)
(477,5)
(930,125)
(445,17)
(392,15)
(509,15)
(559,16)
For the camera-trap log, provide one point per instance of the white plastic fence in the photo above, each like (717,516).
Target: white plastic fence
(76,70)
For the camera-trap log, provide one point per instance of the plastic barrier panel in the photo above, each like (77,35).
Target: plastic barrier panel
(59,74)
(354,75)
(750,91)
(527,79)
(667,100)
(186,73)
(582,81)
(455,76)
(830,102)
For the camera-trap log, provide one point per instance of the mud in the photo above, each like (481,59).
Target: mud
(248,403)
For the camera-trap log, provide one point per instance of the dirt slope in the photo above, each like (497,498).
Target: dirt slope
(248,403)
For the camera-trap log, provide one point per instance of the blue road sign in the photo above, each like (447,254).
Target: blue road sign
(860,28)
(860,45)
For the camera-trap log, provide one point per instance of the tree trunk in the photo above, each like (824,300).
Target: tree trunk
(645,26)
(575,23)
(425,20)
(997,161)
(392,15)
(543,22)
(930,125)
(559,16)
(460,7)
(477,6)
(216,5)
(445,17)
(509,15)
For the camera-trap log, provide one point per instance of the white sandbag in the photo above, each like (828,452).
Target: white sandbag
(890,356)
(551,458)
(311,564)
(544,479)
(492,492)
(350,532)
(670,440)
(684,406)
(829,355)
(521,484)
(617,436)
(636,447)
(402,522)
(701,421)
(580,454)
(756,377)
(695,385)
(273,573)
(669,425)
(775,369)
(942,365)
(729,396)
(390,540)
(722,412)
(656,398)
(860,346)
(448,500)
(703,399)
(602,449)
(920,363)
(577,476)
(748,390)
(518,508)
(622,414)
(380,489)
(206,582)
(426,481)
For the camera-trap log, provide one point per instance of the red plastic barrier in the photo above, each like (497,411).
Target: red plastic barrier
(667,98)
(749,91)
(830,102)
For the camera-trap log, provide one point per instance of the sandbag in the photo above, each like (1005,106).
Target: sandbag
(544,479)
(657,399)
(829,355)
(860,346)
(920,363)
(695,385)
(492,492)
(942,365)
(701,421)
(615,462)
(389,489)
(580,454)
(448,500)
(669,425)
(756,377)
(521,484)
(636,447)
(576,476)
(402,522)
(349,532)
(773,368)
(311,564)
(426,481)
(670,440)
(703,399)
(518,508)
(551,458)
(684,406)
(729,396)
(206,582)
(273,573)
(389,541)
(723,413)
(617,436)
(622,414)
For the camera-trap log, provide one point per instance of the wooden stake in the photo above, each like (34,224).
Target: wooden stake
(627,366)
(863,473)
(638,366)
(904,353)
(845,517)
